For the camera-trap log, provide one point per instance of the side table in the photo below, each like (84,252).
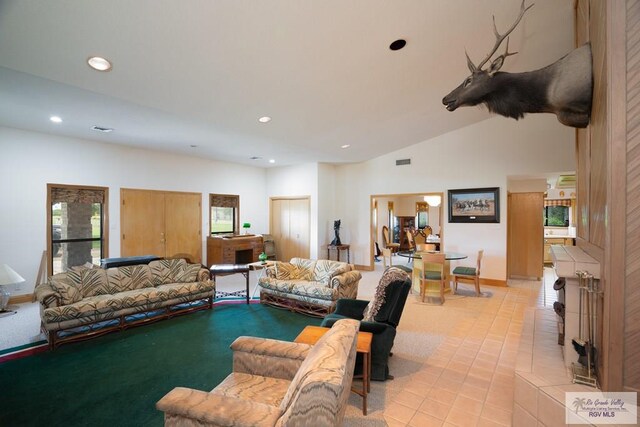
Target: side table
(258,266)
(225,269)
(339,248)
(311,335)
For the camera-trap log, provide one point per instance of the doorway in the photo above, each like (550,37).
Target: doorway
(403,212)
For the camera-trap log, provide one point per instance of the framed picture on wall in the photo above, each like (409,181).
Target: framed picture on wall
(474,205)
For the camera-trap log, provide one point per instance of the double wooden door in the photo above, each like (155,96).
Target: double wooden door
(290,227)
(161,223)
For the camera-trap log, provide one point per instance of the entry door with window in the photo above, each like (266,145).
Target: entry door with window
(77,226)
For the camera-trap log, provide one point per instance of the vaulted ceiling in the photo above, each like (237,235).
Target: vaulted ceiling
(193,77)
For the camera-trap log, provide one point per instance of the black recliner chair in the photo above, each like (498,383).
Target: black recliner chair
(383,327)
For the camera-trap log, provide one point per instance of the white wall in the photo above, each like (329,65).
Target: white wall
(481,155)
(29,160)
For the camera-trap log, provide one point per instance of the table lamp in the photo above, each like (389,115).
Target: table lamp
(7,277)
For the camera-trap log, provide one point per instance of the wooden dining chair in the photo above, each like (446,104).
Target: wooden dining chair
(394,247)
(468,273)
(410,240)
(387,257)
(432,271)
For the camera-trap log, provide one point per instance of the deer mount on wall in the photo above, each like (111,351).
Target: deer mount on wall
(563,88)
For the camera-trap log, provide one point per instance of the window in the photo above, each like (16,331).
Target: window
(224,214)
(77,224)
(556,216)
(422,215)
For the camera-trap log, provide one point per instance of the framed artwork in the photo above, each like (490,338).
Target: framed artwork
(474,205)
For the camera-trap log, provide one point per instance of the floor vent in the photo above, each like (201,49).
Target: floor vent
(403,162)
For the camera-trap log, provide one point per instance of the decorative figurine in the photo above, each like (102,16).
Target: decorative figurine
(336,229)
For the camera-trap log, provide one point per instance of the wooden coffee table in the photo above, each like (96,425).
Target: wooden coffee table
(311,335)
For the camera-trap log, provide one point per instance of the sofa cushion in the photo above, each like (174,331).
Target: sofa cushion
(93,281)
(313,290)
(188,273)
(68,290)
(256,388)
(277,284)
(177,290)
(129,278)
(306,268)
(326,269)
(287,271)
(165,270)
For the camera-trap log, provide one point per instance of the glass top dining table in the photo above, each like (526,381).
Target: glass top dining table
(449,256)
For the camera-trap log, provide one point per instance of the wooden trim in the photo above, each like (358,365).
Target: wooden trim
(20,299)
(614,252)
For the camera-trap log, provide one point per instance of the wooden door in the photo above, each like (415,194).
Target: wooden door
(289,226)
(183,224)
(142,223)
(299,227)
(525,235)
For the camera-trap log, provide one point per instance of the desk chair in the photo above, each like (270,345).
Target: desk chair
(432,271)
(394,247)
(468,273)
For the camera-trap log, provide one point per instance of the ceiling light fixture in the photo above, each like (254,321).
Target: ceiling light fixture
(272,161)
(255,158)
(433,200)
(264,119)
(55,119)
(345,146)
(398,44)
(99,63)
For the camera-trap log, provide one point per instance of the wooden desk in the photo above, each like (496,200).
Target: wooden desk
(338,248)
(311,335)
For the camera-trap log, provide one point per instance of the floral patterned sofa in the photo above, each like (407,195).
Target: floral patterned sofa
(274,383)
(85,302)
(308,286)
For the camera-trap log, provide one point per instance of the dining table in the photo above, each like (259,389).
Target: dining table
(417,267)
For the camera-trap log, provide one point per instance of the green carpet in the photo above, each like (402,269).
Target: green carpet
(115,380)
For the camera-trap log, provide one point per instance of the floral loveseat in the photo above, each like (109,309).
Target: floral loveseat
(308,286)
(85,302)
(274,383)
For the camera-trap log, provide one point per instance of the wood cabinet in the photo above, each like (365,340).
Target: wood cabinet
(289,225)
(548,241)
(405,223)
(233,250)
(161,223)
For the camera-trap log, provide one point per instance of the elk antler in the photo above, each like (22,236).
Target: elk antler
(500,37)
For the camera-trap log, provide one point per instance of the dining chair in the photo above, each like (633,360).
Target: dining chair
(425,247)
(394,247)
(410,240)
(387,257)
(432,271)
(468,273)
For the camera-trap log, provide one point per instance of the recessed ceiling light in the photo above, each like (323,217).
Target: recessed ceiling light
(98,63)
(193,146)
(398,44)
(345,146)
(264,119)
(272,161)
(101,129)
(55,119)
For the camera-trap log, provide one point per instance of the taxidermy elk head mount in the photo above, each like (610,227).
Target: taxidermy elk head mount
(563,88)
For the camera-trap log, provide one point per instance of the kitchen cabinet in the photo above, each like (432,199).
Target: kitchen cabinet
(548,241)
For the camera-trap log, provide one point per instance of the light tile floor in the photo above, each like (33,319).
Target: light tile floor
(469,379)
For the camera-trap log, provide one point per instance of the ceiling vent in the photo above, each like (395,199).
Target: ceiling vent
(566,181)
(101,129)
(403,162)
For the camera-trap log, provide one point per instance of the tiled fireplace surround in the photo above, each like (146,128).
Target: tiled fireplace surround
(543,367)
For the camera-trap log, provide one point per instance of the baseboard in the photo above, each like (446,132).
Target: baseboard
(364,267)
(493,282)
(19,299)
